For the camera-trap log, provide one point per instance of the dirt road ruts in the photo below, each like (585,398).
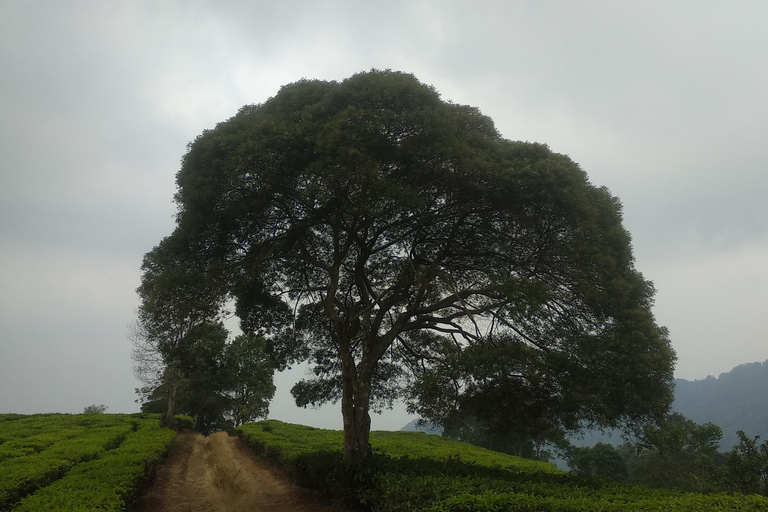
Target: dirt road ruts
(221,474)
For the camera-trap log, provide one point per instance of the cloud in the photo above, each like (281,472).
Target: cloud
(63,330)
(662,103)
(715,307)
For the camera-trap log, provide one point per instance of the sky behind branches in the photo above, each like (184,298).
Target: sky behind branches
(663,102)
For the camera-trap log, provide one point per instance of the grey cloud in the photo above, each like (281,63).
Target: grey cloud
(661,102)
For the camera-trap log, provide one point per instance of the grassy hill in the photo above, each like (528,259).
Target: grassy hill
(414,471)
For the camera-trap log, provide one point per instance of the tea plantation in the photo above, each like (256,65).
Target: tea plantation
(78,462)
(413,471)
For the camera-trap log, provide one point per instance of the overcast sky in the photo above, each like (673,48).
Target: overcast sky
(664,102)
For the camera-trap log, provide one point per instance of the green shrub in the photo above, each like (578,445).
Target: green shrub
(181,422)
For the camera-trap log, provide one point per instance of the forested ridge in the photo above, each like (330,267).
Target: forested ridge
(715,439)
(734,401)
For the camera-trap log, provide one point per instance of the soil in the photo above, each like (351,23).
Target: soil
(220,473)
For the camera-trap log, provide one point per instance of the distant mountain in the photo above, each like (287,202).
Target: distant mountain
(736,400)
(413,426)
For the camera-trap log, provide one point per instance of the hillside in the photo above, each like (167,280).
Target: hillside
(412,471)
(734,401)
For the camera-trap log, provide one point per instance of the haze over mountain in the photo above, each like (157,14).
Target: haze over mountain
(736,400)
(413,426)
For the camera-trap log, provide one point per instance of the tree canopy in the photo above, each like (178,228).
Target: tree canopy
(403,247)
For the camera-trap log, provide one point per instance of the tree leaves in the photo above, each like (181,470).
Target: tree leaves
(347,218)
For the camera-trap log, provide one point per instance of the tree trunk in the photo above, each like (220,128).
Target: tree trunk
(355,404)
(173,384)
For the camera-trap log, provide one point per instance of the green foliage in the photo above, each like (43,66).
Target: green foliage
(601,460)
(201,359)
(31,461)
(413,471)
(520,439)
(177,334)
(78,462)
(390,237)
(250,376)
(220,383)
(747,466)
(182,352)
(183,422)
(680,454)
(285,441)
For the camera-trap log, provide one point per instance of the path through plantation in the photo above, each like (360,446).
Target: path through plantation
(221,474)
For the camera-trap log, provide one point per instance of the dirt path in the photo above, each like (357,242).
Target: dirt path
(221,474)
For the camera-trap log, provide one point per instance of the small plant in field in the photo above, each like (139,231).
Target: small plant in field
(95,409)
(226,477)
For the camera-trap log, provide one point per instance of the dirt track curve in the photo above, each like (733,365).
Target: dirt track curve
(221,474)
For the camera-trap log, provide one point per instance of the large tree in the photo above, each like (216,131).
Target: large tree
(379,232)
